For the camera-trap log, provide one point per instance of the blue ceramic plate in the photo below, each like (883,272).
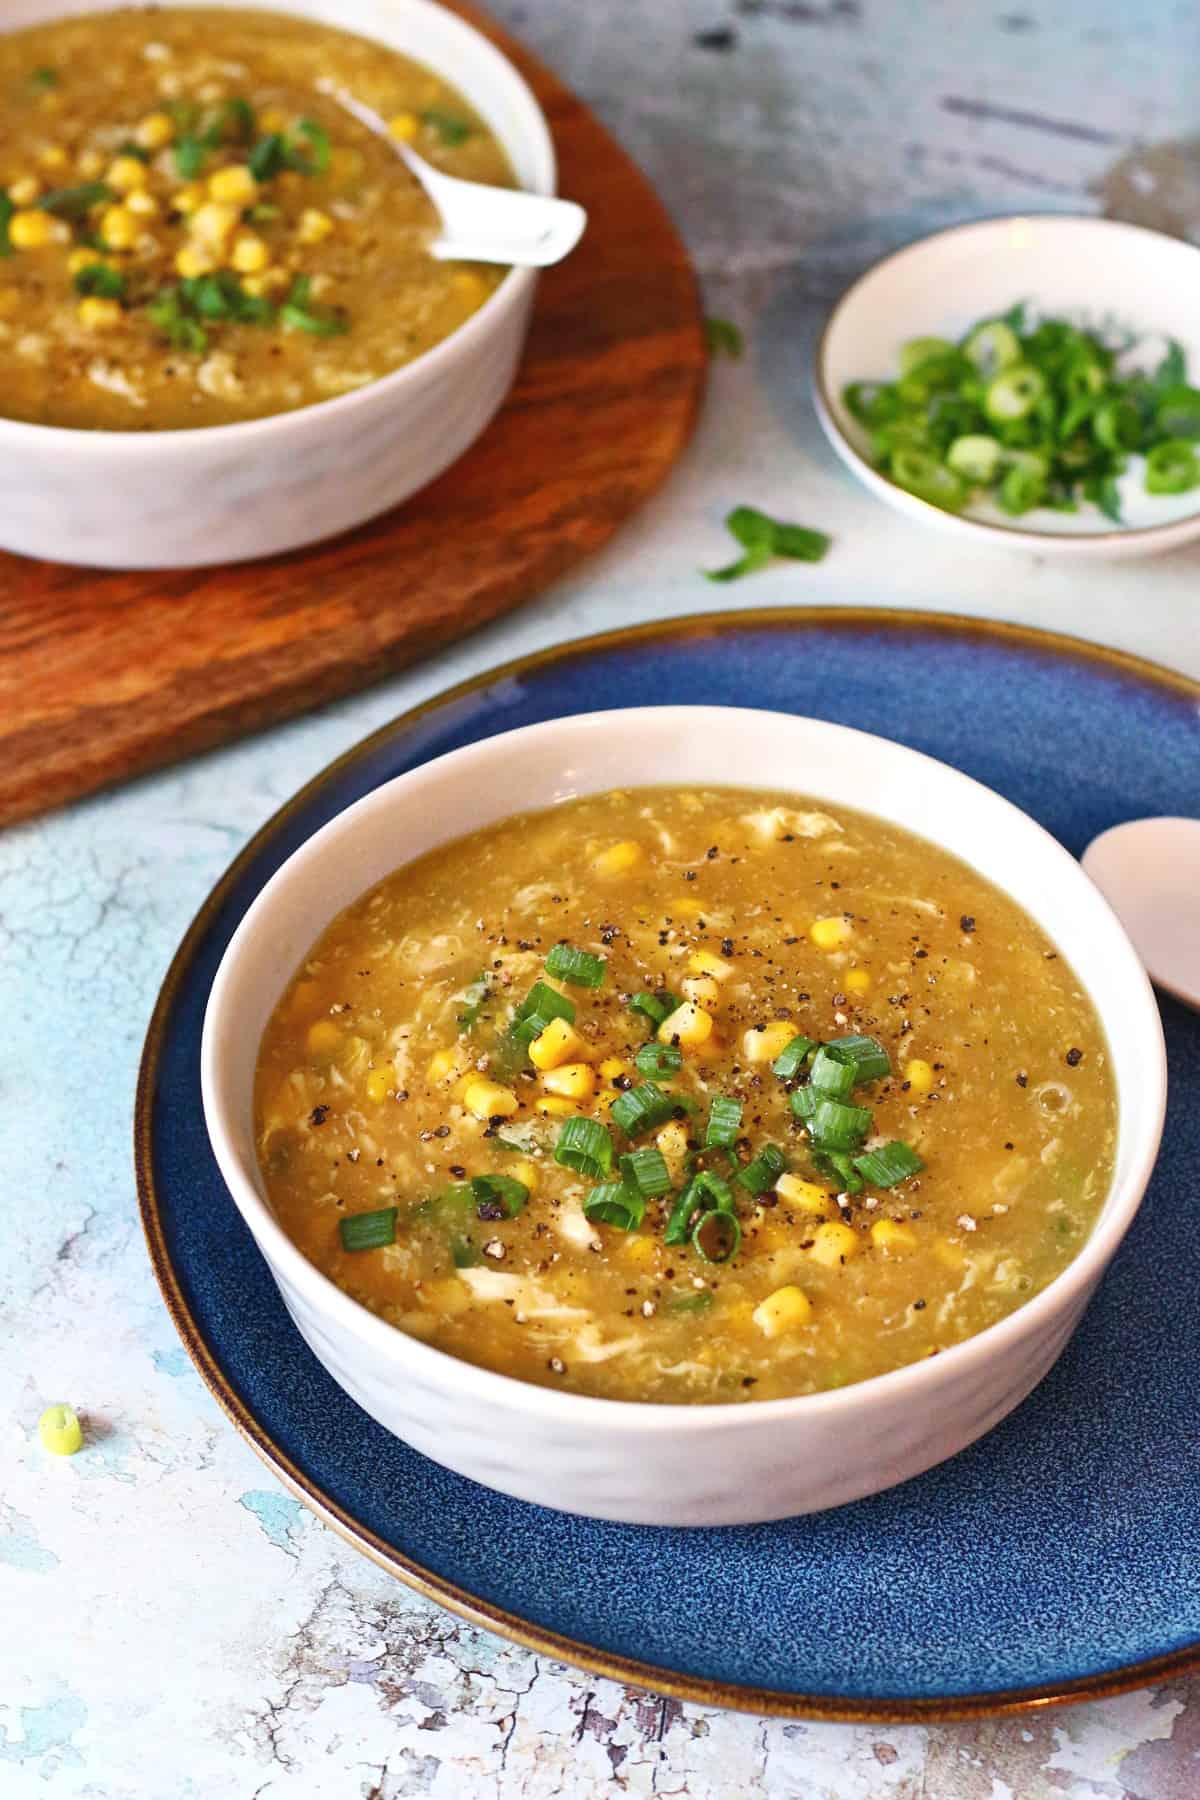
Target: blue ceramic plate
(1058,1558)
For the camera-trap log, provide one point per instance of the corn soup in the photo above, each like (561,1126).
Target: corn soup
(193,233)
(687,1095)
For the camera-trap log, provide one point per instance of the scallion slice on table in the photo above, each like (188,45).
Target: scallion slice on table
(615,1203)
(656,1060)
(586,1146)
(724,338)
(369,1230)
(579,967)
(763,537)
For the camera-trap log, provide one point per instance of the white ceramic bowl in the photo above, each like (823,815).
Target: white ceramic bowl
(1096,271)
(678,1465)
(178,499)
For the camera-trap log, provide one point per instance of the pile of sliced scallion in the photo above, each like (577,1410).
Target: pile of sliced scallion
(1029,412)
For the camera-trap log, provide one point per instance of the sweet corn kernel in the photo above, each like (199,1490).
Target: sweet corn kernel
(618,858)
(552,1106)
(524,1170)
(834,1243)
(273,118)
(558,1043)
(192,261)
(442,1064)
(687,909)
(703,962)
(126,173)
(688,1024)
(893,1237)
(314,225)
(782,1311)
(638,1247)
(449,1295)
(951,1256)
(763,1044)
(30,230)
(235,185)
(577,1080)
(613,1067)
(381,1082)
(857,981)
(86,259)
(97,314)
(187,199)
(10,300)
(25,190)
(267,282)
(213,222)
(469,286)
(604,1102)
(918,1074)
(806,1196)
(405,126)
(305,994)
(142,204)
(155,131)
(702,988)
(488,1100)
(119,229)
(249,255)
(672,1141)
(831,933)
(89,163)
(323,1037)
(53,156)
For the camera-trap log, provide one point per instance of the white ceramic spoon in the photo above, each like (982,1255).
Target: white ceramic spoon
(480,223)
(1149,872)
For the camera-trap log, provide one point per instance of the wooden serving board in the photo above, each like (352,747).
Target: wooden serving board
(104,675)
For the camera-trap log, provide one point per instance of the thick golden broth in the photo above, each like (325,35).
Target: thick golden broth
(191,233)
(389,1078)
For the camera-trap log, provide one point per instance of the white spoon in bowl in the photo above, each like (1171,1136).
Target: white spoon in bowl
(480,223)
(1149,872)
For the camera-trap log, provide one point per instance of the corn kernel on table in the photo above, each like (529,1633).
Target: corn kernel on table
(174,1624)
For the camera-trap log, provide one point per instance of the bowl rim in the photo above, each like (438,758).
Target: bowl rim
(1147,537)
(509,292)
(911,1382)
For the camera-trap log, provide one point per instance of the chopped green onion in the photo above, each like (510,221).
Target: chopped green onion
(1013,393)
(503,1191)
(579,967)
(586,1146)
(834,1072)
(268,156)
(319,145)
(1177,414)
(655,1007)
(297,313)
(717,1235)
(642,1109)
(890,1164)
(369,1230)
(75,202)
(463,1253)
(452,130)
(1172,468)
(679,1225)
(99,278)
(873,403)
(191,154)
(698,1302)
(1172,370)
(44,78)
(992,346)
(871,1059)
(1020,490)
(541,1004)
(919,472)
(166,312)
(835,1126)
(657,1060)
(615,1203)
(1103,490)
(976,458)
(129,148)
(1117,425)
(762,537)
(764,1171)
(921,350)
(7,209)
(758,558)
(646,1171)
(473,997)
(839,1167)
(724,1123)
(523,1137)
(711,1189)
(724,338)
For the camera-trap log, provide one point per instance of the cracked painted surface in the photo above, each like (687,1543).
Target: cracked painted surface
(174,1626)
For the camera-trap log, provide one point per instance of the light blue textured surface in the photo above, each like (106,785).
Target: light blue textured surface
(172,1652)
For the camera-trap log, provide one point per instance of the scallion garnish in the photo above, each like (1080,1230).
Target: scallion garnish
(473,997)
(717,1235)
(449,127)
(793,1056)
(656,1060)
(267,157)
(871,1059)
(834,1073)
(75,202)
(724,1123)
(100,278)
(832,1125)
(890,1164)
(320,150)
(641,1109)
(541,1004)
(764,1171)
(44,78)
(498,1196)
(690,1303)
(7,209)
(615,1203)
(299,314)
(646,1171)
(579,967)
(586,1146)
(654,1007)
(838,1165)
(685,1210)
(369,1230)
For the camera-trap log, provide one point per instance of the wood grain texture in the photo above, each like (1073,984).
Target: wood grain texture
(104,675)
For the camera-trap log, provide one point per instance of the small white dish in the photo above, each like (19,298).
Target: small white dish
(658,1464)
(1095,271)
(183,499)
